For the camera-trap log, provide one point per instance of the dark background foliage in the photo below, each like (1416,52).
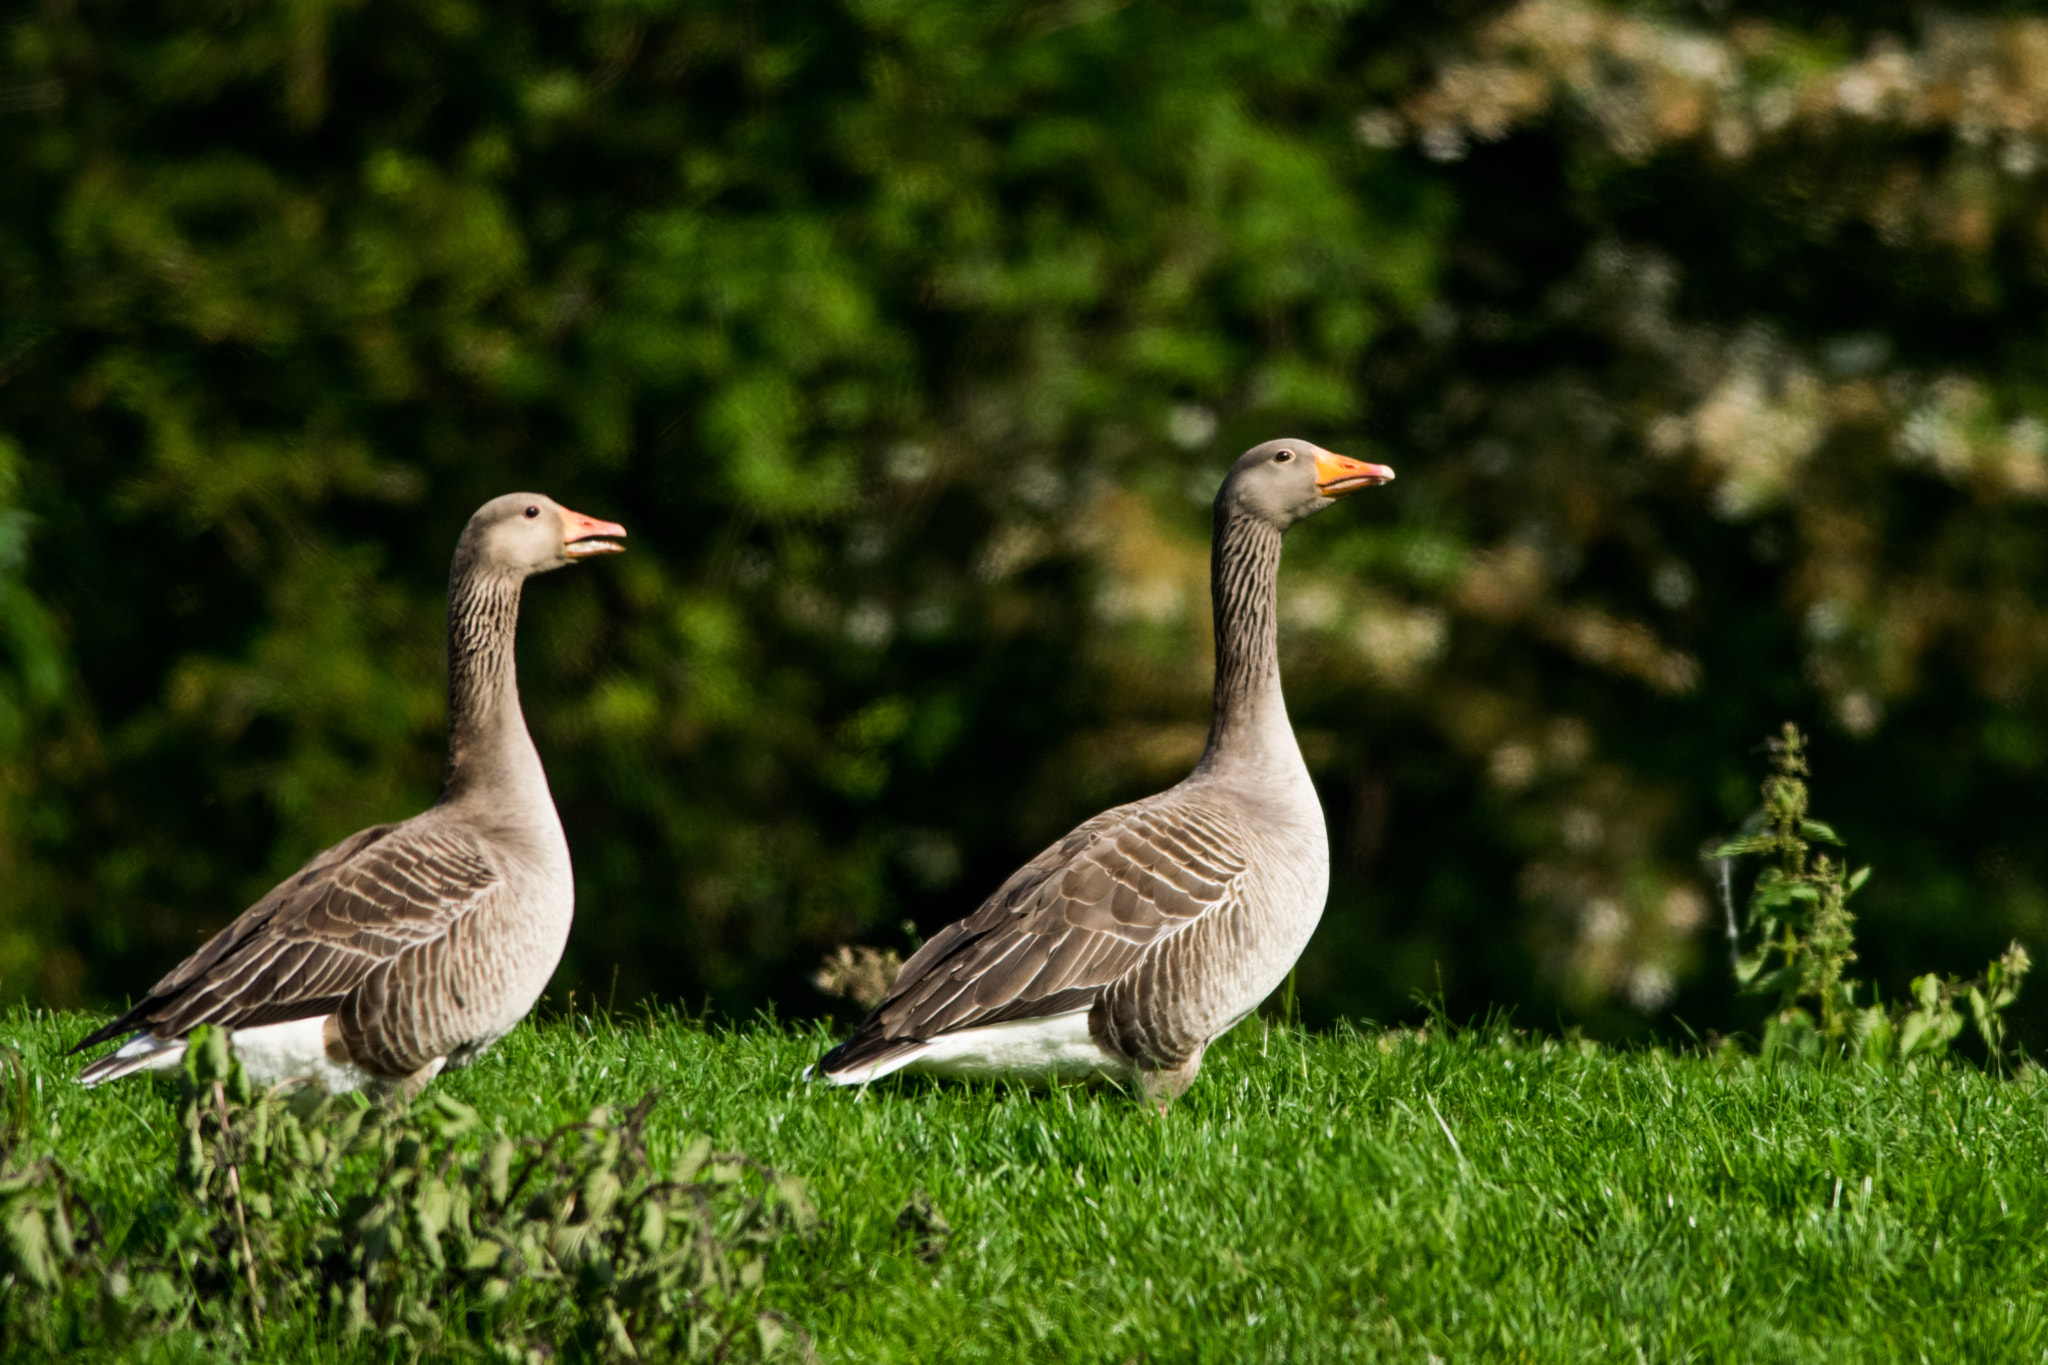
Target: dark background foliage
(910,341)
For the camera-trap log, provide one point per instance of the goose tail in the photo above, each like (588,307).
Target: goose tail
(861,1060)
(142,1052)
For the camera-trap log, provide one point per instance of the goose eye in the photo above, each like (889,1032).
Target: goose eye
(533,511)
(1283,457)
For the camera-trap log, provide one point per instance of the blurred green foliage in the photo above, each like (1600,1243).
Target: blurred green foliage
(910,340)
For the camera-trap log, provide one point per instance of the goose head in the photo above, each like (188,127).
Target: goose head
(529,533)
(1283,481)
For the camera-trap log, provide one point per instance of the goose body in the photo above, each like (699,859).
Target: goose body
(1149,931)
(411,947)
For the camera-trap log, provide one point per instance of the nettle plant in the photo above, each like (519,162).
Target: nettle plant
(1800,937)
(298,1212)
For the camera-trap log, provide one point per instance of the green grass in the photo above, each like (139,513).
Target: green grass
(1353,1196)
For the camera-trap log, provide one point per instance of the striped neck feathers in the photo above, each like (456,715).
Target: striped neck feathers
(488,746)
(1250,725)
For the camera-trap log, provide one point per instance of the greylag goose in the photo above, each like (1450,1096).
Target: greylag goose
(1128,946)
(410,947)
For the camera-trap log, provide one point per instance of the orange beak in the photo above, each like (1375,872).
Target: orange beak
(584,536)
(1337,475)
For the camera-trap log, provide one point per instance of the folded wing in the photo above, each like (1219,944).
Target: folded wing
(361,906)
(1082,916)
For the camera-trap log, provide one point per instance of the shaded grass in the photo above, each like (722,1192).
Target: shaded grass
(1348,1196)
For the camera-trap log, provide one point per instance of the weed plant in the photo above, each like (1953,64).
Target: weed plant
(1804,937)
(402,1231)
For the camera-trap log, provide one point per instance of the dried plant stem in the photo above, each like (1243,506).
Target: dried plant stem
(220,1100)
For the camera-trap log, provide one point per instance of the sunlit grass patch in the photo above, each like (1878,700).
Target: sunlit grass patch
(1354,1195)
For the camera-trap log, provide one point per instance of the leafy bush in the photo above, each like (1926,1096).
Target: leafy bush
(392,1229)
(1805,940)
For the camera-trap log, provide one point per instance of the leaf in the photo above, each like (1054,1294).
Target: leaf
(795,1194)
(19,1182)
(615,1331)
(1771,893)
(208,1056)
(28,1246)
(1775,980)
(356,1312)
(600,1191)
(1913,1030)
(448,1118)
(1815,829)
(653,1229)
(157,1290)
(1791,1033)
(498,1168)
(693,1159)
(348,1129)
(1927,990)
(1990,1027)
(431,1206)
(1875,1036)
(1978,1009)
(380,1233)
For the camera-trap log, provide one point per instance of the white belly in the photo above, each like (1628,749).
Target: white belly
(275,1052)
(1020,1049)
(269,1053)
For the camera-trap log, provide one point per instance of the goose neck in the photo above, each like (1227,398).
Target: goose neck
(1250,728)
(489,750)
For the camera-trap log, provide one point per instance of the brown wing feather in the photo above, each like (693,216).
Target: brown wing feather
(1065,927)
(320,934)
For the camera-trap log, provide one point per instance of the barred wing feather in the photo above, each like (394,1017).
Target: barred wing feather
(1084,915)
(302,950)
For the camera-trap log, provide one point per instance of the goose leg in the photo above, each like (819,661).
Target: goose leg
(411,1086)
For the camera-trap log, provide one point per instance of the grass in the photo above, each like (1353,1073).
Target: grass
(1349,1196)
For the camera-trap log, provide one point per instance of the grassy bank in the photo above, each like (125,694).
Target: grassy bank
(1353,1196)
